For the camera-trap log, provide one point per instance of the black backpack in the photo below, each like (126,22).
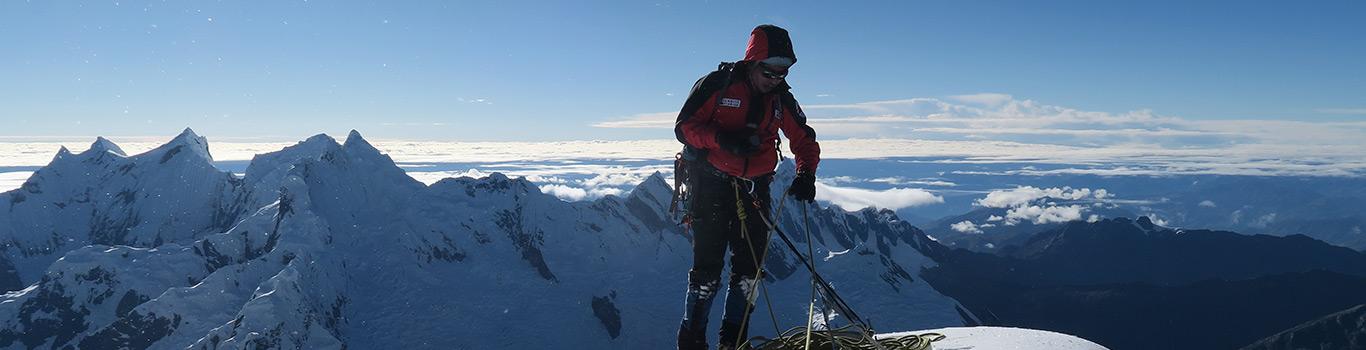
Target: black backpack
(684,160)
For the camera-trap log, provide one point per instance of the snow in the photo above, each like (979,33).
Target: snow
(1002,338)
(326,245)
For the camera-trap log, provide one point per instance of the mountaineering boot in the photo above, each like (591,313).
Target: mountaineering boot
(692,333)
(730,333)
(689,339)
(737,310)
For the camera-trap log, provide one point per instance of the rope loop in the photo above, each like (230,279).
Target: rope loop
(842,338)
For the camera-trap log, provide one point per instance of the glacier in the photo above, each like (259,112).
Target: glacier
(328,245)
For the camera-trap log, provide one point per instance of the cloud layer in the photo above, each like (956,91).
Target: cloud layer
(985,129)
(989,128)
(858,198)
(1037,205)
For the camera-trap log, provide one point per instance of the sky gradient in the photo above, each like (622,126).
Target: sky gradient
(559,71)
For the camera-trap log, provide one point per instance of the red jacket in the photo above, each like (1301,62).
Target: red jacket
(703,116)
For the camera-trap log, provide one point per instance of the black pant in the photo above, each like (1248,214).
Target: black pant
(716,226)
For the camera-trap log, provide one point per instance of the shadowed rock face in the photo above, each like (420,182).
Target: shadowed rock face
(1118,281)
(1341,330)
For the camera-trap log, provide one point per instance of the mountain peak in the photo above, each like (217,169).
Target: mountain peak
(187,133)
(354,135)
(102,145)
(355,141)
(657,180)
(186,141)
(319,141)
(655,189)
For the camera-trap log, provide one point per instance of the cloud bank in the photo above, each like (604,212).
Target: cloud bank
(1037,205)
(982,129)
(858,198)
(1000,128)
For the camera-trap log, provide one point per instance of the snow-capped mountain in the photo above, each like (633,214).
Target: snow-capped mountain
(324,245)
(101,196)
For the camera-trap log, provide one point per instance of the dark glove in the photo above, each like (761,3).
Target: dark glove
(804,186)
(742,143)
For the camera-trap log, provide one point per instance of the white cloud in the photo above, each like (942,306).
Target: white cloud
(570,193)
(646,120)
(14,179)
(1022,195)
(1157,221)
(1208,203)
(1000,128)
(1264,221)
(974,128)
(546,179)
(965,227)
(901,181)
(1040,205)
(614,176)
(858,198)
(1342,111)
(983,99)
(892,180)
(431,177)
(1044,214)
(565,192)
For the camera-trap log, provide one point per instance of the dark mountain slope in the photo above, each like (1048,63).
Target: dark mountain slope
(1132,285)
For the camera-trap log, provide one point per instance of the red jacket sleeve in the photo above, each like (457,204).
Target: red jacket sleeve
(694,125)
(801,137)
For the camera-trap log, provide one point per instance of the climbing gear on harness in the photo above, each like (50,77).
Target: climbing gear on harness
(685,159)
(682,197)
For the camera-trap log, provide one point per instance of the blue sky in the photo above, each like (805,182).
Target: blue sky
(544,71)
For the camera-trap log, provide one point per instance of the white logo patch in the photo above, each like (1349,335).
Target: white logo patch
(730,102)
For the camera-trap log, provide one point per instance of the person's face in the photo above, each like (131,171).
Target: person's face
(767,77)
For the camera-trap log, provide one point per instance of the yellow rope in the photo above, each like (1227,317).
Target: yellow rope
(758,263)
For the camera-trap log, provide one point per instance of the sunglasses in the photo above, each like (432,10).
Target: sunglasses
(770,73)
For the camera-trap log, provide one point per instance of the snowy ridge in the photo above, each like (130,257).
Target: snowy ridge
(328,246)
(170,194)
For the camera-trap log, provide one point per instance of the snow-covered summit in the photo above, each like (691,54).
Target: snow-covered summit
(103,145)
(173,193)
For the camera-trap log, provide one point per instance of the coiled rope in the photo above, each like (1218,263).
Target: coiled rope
(842,338)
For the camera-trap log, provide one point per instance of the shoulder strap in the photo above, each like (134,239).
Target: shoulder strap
(729,68)
(713,84)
